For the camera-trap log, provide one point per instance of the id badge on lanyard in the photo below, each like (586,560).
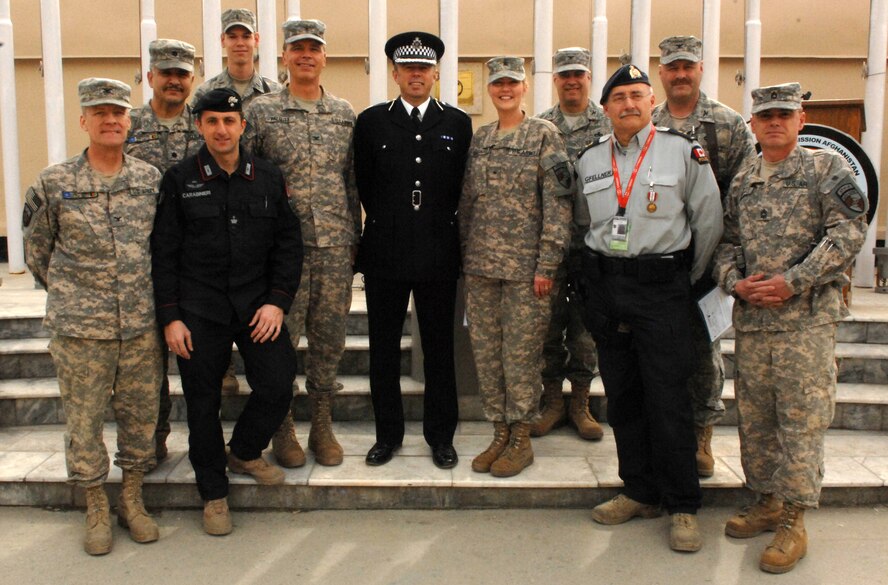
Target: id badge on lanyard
(620,224)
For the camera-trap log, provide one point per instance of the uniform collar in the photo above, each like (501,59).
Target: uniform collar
(791,165)
(635,142)
(422,107)
(210,169)
(290,102)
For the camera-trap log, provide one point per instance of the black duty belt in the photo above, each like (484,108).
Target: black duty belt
(680,260)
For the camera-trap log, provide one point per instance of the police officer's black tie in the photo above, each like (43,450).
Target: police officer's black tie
(414,115)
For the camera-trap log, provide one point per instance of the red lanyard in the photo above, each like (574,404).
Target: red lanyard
(622,200)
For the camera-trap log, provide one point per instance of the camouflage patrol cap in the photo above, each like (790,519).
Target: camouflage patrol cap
(239,17)
(787,96)
(97,91)
(686,48)
(297,30)
(511,67)
(171,54)
(572,59)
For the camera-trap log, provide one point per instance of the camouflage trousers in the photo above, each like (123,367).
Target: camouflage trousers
(93,373)
(568,349)
(706,383)
(507,323)
(785,385)
(319,311)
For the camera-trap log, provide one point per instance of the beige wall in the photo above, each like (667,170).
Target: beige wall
(819,46)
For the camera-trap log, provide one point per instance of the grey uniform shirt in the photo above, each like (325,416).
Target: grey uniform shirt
(687,203)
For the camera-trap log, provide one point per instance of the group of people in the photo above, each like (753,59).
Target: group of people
(237,219)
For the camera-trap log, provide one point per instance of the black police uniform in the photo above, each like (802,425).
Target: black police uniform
(409,180)
(224,245)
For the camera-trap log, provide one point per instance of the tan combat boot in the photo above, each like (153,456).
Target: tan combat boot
(262,471)
(482,462)
(131,511)
(587,427)
(216,517)
(98,522)
(762,516)
(517,455)
(229,380)
(553,414)
(705,461)
(285,446)
(789,544)
(684,534)
(622,508)
(321,441)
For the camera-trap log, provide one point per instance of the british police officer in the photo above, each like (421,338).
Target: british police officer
(644,194)
(410,154)
(226,262)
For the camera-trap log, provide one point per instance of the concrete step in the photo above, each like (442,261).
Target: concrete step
(865,363)
(567,472)
(30,358)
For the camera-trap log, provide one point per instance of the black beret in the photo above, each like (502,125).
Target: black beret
(415,47)
(218,100)
(625,75)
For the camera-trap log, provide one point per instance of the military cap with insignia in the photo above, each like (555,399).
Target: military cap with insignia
(171,54)
(625,75)
(98,91)
(297,30)
(414,47)
(571,59)
(238,17)
(787,96)
(223,99)
(500,67)
(683,48)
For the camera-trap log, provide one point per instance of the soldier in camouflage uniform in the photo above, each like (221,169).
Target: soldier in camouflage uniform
(569,350)
(514,227)
(308,133)
(162,133)
(794,222)
(727,140)
(86,227)
(240,41)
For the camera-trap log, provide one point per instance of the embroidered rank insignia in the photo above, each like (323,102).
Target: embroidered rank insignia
(699,155)
(849,196)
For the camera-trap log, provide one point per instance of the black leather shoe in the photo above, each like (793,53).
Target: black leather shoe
(444,456)
(381,453)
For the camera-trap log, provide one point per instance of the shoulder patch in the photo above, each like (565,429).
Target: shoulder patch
(851,200)
(699,154)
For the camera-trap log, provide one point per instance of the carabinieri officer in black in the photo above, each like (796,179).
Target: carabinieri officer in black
(226,261)
(410,154)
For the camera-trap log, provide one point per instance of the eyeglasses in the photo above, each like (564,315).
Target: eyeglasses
(622,98)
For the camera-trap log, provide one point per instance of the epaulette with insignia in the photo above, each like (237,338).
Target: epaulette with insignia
(674,131)
(599,140)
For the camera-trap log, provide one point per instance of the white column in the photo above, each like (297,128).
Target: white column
(752,58)
(874,103)
(147,33)
(640,34)
(543,16)
(293,9)
(377,66)
(53,83)
(9,124)
(449,65)
(711,46)
(212,32)
(599,49)
(266,14)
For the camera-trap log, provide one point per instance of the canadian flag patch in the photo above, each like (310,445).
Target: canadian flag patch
(699,155)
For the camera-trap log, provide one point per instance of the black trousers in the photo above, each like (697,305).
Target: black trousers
(270,369)
(645,356)
(386,309)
